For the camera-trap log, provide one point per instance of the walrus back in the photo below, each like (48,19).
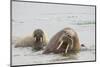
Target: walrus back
(25,42)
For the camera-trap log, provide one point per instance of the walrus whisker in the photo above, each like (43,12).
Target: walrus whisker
(66,49)
(59,45)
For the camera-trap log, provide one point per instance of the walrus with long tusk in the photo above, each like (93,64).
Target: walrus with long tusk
(37,40)
(65,41)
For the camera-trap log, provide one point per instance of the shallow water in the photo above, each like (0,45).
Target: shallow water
(24,56)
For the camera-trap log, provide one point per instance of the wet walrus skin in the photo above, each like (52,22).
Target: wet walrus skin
(37,40)
(65,41)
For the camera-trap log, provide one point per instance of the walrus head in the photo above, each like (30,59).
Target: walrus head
(65,42)
(38,35)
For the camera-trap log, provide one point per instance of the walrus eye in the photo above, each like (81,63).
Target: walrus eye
(65,32)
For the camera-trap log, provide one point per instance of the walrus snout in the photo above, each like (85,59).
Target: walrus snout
(38,39)
(65,43)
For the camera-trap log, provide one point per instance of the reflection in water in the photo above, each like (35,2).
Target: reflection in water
(66,58)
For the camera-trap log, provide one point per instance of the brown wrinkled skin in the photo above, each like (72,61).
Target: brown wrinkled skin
(54,42)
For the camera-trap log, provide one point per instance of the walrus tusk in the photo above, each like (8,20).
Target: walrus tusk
(66,48)
(41,39)
(35,38)
(71,44)
(59,45)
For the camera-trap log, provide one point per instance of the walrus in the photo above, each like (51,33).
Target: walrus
(37,40)
(65,41)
